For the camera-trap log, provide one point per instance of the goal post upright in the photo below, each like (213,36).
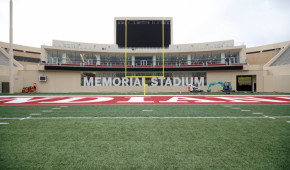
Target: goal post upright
(126,54)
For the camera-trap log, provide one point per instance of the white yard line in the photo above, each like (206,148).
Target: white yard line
(245,110)
(261,117)
(4,123)
(141,118)
(147,110)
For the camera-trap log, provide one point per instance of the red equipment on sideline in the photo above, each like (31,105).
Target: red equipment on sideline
(30,89)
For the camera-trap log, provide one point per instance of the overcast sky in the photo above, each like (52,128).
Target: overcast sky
(252,22)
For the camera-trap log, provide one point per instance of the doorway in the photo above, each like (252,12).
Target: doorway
(246,83)
(4,87)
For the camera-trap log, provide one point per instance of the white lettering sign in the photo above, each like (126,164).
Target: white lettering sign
(160,81)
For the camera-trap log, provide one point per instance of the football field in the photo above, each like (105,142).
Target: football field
(137,132)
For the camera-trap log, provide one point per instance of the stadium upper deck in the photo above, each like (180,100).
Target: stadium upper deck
(206,55)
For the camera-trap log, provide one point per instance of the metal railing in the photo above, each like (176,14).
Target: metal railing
(149,63)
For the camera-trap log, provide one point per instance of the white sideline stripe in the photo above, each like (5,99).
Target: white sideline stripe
(147,110)
(63,106)
(228,106)
(4,123)
(245,110)
(257,113)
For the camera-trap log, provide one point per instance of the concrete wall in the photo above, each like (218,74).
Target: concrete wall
(277,78)
(261,57)
(278,83)
(70,81)
(18,77)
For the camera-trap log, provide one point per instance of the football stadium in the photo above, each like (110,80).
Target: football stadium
(145,103)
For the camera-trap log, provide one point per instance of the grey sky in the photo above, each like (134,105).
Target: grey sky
(252,22)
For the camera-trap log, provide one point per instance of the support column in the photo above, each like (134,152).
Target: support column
(98,57)
(223,57)
(63,58)
(188,59)
(133,61)
(254,83)
(154,61)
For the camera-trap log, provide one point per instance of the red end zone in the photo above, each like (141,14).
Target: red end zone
(137,100)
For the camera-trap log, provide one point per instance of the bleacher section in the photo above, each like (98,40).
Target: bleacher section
(284,58)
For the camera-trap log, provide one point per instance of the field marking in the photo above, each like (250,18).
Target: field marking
(47,111)
(236,108)
(4,118)
(147,110)
(245,110)
(269,117)
(63,106)
(96,95)
(35,114)
(288,121)
(57,108)
(4,123)
(154,100)
(141,118)
(249,117)
(257,113)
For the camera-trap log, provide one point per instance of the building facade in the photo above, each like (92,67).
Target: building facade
(86,67)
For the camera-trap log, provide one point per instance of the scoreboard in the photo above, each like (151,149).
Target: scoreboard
(143,33)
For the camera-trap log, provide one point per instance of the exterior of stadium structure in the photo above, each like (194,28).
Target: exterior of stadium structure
(86,67)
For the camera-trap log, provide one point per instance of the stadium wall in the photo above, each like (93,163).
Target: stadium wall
(70,81)
(268,79)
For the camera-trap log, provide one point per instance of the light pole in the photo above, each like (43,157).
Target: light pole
(11,58)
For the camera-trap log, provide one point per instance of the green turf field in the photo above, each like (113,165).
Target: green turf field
(88,137)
